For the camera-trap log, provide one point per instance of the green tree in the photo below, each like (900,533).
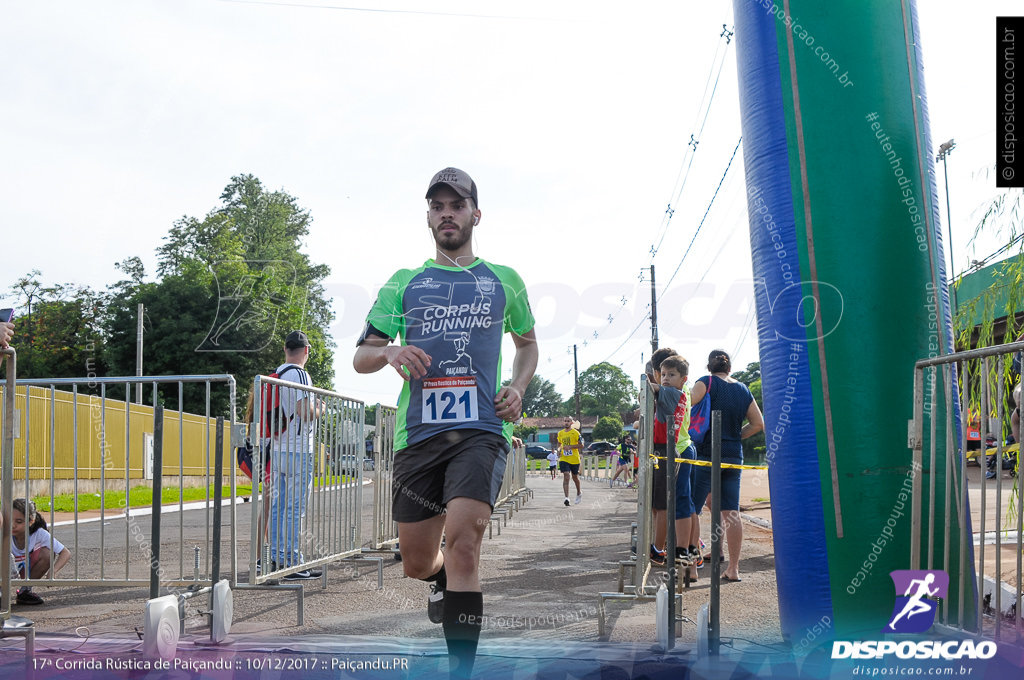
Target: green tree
(978,322)
(524,432)
(608,428)
(541,400)
(229,288)
(750,374)
(751,377)
(606,390)
(60,335)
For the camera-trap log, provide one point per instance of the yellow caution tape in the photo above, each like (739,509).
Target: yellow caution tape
(707,463)
(1012,448)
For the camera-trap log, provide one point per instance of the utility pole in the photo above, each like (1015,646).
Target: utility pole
(576,371)
(654,315)
(944,151)
(138,357)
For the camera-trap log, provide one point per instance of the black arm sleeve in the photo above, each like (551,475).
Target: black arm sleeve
(371,330)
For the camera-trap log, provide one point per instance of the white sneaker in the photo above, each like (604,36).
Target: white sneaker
(579,498)
(566,501)
(611,483)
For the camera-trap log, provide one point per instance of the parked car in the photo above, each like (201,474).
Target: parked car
(601,448)
(347,464)
(537,451)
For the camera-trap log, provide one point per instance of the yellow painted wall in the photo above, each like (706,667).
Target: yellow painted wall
(103,436)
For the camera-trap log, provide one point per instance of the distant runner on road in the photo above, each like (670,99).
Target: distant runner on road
(570,446)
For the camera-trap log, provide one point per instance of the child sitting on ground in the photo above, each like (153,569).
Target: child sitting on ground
(40,557)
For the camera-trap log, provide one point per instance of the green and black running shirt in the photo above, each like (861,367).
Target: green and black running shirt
(457,315)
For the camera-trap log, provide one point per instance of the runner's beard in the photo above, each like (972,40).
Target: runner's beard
(451,242)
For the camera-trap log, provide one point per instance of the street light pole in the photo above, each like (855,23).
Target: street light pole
(944,151)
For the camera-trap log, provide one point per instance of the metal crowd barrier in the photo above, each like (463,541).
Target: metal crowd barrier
(316,463)
(513,492)
(8,356)
(9,625)
(385,529)
(642,532)
(537,465)
(587,468)
(505,490)
(592,471)
(102,444)
(982,378)
(519,474)
(515,470)
(94,439)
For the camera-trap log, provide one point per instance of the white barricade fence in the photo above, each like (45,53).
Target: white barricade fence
(385,529)
(308,512)
(84,442)
(640,586)
(973,474)
(519,478)
(505,490)
(9,358)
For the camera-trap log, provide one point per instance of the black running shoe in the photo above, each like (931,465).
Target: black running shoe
(304,575)
(26,596)
(683,558)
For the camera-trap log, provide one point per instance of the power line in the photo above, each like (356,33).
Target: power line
(731,158)
(678,266)
(694,141)
(694,138)
(702,116)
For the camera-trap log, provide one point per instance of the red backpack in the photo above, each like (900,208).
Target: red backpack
(274,420)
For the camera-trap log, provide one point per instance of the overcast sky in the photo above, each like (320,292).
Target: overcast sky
(573,118)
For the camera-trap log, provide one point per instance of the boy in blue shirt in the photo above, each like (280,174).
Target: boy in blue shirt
(673,400)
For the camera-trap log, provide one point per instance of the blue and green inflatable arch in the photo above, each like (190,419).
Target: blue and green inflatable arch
(849,271)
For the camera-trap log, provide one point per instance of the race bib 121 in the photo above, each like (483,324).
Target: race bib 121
(450,400)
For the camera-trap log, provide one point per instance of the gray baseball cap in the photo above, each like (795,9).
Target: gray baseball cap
(458,180)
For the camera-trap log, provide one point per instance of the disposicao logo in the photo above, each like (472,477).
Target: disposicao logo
(914,612)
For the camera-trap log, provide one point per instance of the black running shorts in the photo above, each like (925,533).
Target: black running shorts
(452,464)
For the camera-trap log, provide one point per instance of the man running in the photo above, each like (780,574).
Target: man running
(570,445)
(455,418)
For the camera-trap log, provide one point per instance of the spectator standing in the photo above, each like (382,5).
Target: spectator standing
(660,442)
(673,400)
(292,457)
(741,418)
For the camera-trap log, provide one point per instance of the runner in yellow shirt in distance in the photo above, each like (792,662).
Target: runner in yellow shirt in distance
(570,446)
